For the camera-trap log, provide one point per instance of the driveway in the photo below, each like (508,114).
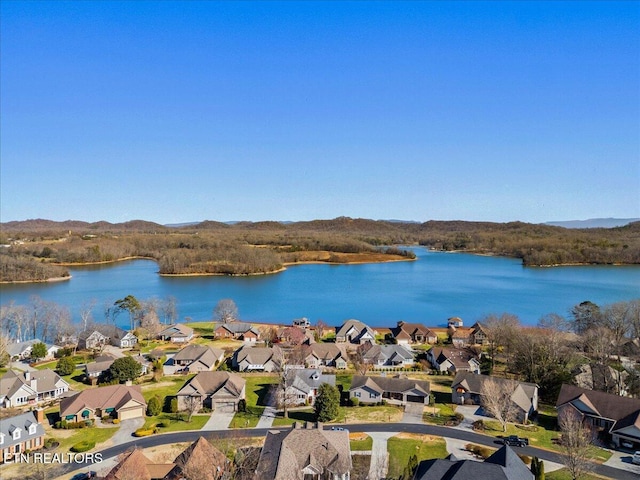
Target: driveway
(125,432)
(413,413)
(113,350)
(379,455)
(471,414)
(622,460)
(20,365)
(219,420)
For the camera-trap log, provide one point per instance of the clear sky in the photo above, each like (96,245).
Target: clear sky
(184,111)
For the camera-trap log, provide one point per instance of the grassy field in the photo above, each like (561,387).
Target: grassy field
(377,414)
(402,446)
(563,474)
(360,442)
(167,386)
(176,423)
(439,413)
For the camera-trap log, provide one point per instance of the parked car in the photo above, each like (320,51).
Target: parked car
(516,441)
(339,429)
(636,458)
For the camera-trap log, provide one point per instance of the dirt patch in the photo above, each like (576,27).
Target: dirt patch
(165,453)
(358,436)
(416,436)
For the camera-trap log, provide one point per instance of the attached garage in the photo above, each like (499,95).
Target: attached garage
(228,407)
(415,399)
(134,412)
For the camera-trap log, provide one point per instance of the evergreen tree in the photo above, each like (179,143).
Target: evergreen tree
(38,351)
(123,369)
(65,366)
(327,404)
(154,407)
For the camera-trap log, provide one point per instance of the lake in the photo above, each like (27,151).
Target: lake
(435,287)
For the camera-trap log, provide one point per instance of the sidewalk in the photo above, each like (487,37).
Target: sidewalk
(379,455)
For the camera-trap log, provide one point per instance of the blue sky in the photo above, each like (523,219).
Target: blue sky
(185,111)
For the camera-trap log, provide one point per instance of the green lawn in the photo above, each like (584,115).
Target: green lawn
(167,386)
(305,415)
(92,434)
(248,419)
(563,474)
(366,414)
(344,379)
(401,447)
(176,423)
(364,444)
(439,414)
(257,388)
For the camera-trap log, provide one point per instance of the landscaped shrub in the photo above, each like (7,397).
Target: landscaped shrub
(242,405)
(72,425)
(154,407)
(478,425)
(479,450)
(144,432)
(83,446)
(116,421)
(354,401)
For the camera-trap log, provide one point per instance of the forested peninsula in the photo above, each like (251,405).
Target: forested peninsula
(38,250)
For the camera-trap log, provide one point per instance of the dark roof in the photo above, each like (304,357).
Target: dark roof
(389,384)
(502,465)
(607,405)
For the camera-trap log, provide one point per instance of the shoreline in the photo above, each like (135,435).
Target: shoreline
(48,280)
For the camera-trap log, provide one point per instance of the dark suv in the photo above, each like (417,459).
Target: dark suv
(515,441)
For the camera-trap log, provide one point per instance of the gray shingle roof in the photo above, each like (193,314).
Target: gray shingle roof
(390,384)
(473,383)
(10,424)
(308,379)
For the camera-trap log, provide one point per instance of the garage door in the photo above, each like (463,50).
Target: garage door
(227,407)
(415,399)
(130,413)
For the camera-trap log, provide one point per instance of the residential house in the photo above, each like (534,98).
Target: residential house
(295,336)
(614,415)
(303,385)
(238,331)
(216,390)
(93,370)
(263,359)
(197,358)
(92,340)
(177,333)
(459,337)
(22,350)
(121,338)
(453,360)
(202,450)
(467,388)
(28,388)
(200,456)
(135,463)
(355,332)
(455,322)
(305,454)
(385,356)
(478,335)
(324,355)
(301,322)
(21,433)
(407,333)
(119,401)
(504,464)
(399,390)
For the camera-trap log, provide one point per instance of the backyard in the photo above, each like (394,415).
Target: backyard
(403,446)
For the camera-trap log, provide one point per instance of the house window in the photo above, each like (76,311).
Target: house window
(372,395)
(86,414)
(69,417)
(1,438)
(356,394)
(16,434)
(32,429)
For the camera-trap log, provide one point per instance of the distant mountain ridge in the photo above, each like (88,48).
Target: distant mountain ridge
(594,223)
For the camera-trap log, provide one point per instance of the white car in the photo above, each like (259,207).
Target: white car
(636,458)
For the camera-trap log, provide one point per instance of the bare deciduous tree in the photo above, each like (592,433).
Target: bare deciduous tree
(575,443)
(359,363)
(192,403)
(497,400)
(225,311)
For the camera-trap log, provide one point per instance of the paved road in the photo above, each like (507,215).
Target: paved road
(191,436)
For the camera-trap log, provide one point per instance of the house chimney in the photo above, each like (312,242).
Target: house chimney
(39,415)
(319,425)
(27,376)
(128,383)
(308,425)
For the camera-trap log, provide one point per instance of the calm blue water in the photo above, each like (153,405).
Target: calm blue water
(430,290)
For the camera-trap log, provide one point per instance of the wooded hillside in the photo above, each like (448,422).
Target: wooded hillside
(262,247)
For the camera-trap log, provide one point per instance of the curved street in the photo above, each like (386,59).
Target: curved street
(192,435)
